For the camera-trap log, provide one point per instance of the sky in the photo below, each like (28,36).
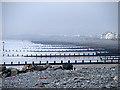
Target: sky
(32,19)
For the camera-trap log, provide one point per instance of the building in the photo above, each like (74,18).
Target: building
(109,35)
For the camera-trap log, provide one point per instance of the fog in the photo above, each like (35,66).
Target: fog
(47,21)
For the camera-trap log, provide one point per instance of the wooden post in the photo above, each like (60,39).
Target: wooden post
(105,61)
(4,63)
(96,53)
(90,61)
(97,61)
(33,63)
(82,61)
(75,61)
(68,61)
(111,61)
(74,54)
(105,58)
(118,60)
(18,62)
(40,62)
(25,62)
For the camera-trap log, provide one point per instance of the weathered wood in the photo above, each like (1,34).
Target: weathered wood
(90,61)
(61,63)
(40,62)
(75,61)
(25,62)
(19,62)
(11,63)
(97,61)
(68,61)
(82,61)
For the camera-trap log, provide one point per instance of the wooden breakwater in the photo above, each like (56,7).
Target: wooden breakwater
(107,56)
(54,50)
(76,62)
(110,57)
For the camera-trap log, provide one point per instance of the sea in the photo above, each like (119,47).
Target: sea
(15,50)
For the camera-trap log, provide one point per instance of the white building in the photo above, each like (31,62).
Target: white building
(108,35)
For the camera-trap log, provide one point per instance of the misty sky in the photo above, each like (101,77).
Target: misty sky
(33,19)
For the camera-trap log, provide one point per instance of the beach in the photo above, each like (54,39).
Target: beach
(84,76)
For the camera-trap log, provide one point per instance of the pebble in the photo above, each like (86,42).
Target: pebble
(115,78)
(88,77)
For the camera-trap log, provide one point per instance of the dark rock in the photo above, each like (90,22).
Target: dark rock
(25,67)
(2,68)
(68,66)
(38,67)
(31,67)
(46,66)
(57,67)
(6,73)
(14,72)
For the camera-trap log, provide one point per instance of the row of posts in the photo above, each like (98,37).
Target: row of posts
(76,62)
(48,62)
(45,50)
(48,55)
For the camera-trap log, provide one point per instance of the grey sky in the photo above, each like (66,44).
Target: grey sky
(33,19)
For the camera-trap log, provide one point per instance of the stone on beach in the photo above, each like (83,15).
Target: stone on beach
(67,66)
(80,78)
(46,66)
(25,67)
(115,78)
(38,67)
(2,68)
(14,72)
